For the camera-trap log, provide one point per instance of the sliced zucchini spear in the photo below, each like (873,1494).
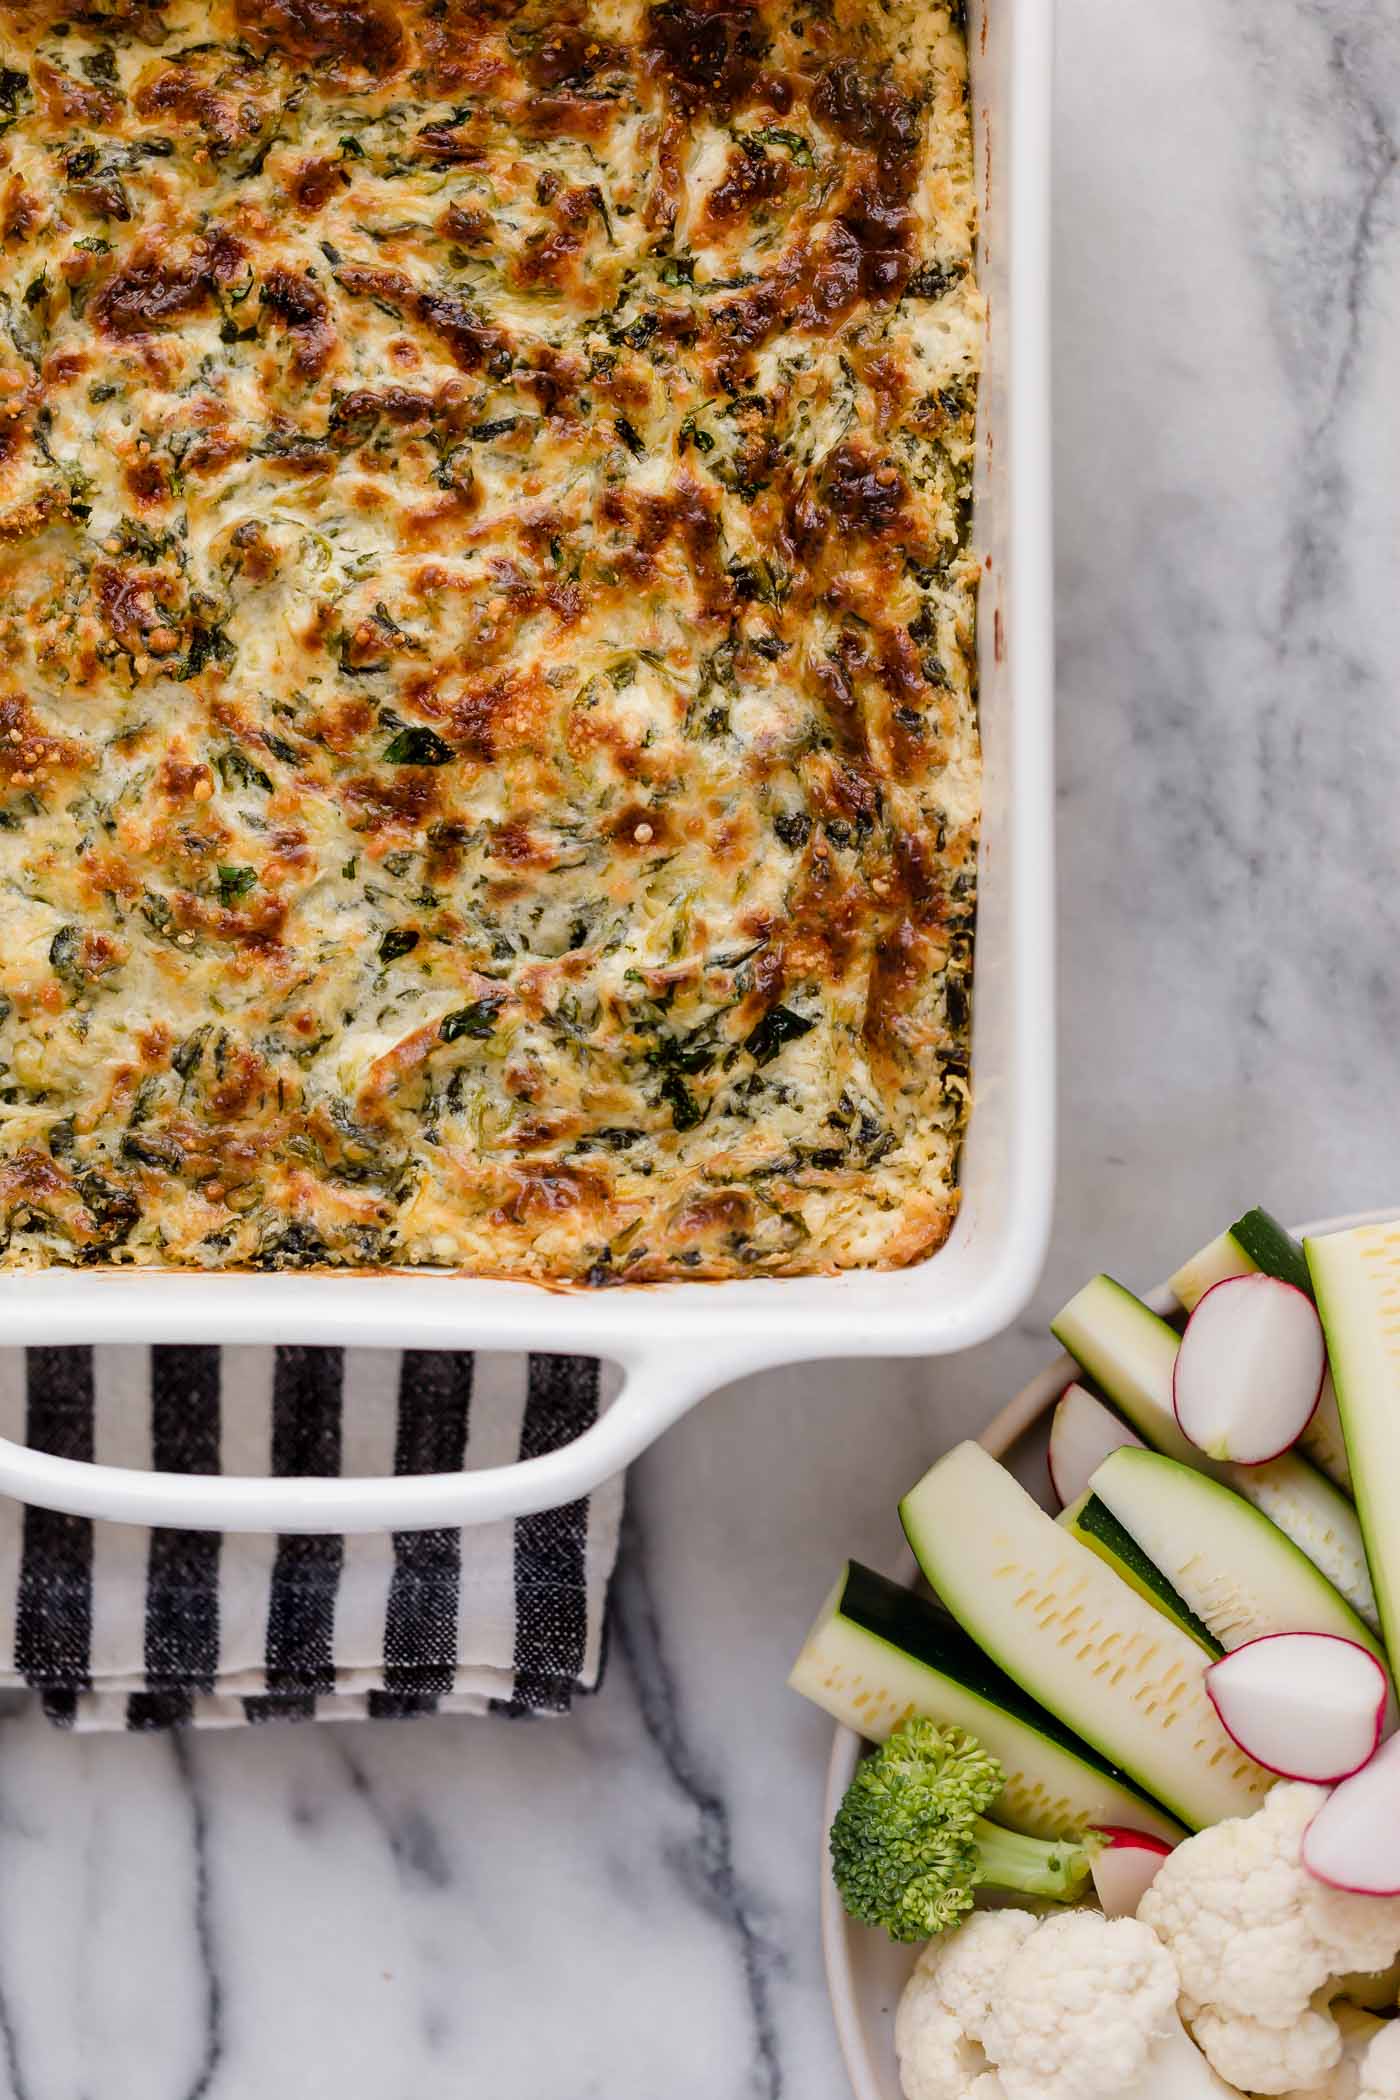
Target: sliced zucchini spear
(1357,1278)
(1236,1572)
(878,1653)
(1095,1526)
(1076,1638)
(1129,1352)
(1254,1242)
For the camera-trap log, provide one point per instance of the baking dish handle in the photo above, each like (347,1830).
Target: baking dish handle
(656,1391)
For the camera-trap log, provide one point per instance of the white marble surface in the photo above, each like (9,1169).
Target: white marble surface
(625,1905)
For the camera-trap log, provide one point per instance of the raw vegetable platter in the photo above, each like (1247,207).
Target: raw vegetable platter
(1301,1473)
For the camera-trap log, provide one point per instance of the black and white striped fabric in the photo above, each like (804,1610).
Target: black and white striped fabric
(113,1626)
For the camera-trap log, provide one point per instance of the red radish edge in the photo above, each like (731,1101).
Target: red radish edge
(1049,1448)
(1233,1283)
(1283,1771)
(1121,1839)
(1076,1385)
(1381,1776)
(1138,1857)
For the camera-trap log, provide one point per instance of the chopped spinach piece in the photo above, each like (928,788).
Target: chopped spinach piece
(478,1019)
(114,1209)
(418,747)
(236,769)
(12,86)
(691,1053)
(166,1153)
(399,940)
(690,433)
(146,1096)
(629,437)
(66,956)
(930,281)
(686,1111)
(794,827)
(797,146)
(779,1026)
(186,1056)
(636,335)
(254,163)
(234,882)
(299,1247)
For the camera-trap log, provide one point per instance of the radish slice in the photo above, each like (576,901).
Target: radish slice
(1306,1705)
(1249,1370)
(1125,1869)
(1353,1842)
(1083,1433)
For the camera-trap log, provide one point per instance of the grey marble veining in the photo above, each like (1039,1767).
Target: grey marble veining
(625,1905)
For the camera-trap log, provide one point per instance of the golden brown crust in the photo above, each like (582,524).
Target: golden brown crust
(490,756)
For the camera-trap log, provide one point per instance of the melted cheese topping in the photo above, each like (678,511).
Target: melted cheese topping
(490,765)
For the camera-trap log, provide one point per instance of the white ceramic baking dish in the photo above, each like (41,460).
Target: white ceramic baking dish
(675,1343)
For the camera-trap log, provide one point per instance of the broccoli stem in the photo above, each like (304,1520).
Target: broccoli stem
(1034,1866)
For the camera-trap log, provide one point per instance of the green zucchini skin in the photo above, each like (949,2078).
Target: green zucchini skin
(1236,1570)
(1255,1243)
(1357,1277)
(1092,1521)
(1272,1249)
(878,1653)
(1076,1637)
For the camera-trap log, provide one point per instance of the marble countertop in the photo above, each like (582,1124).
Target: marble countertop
(625,1904)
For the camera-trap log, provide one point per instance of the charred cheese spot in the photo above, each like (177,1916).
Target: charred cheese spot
(353,36)
(707,55)
(488,753)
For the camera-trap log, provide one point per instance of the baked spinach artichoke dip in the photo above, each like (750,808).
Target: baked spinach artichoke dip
(487,702)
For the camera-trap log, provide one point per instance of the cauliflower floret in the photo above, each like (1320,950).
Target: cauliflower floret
(1380,2066)
(971,1965)
(944,2003)
(1258,1942)
(1109,1989)
(1369,2068)
(1264,2058)
(1070,2007)
(938,2060)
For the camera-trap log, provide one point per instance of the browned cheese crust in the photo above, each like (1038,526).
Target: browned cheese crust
(486,634)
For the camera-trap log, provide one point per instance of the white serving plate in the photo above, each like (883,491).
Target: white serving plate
(675,1343)
(865,1970)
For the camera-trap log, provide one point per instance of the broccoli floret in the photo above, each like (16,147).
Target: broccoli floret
(910,1843)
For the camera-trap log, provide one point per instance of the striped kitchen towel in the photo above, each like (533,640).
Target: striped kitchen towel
(112,1626)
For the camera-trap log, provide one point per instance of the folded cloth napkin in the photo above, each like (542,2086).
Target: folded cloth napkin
(114,1626)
